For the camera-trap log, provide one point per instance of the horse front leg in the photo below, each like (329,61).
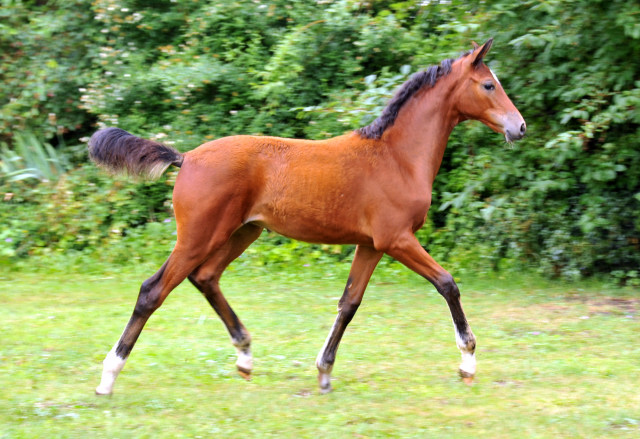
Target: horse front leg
(364,262)
(410,253)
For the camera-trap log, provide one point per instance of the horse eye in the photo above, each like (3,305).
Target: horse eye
(489,86)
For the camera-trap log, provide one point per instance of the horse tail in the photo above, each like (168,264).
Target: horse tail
(119,151)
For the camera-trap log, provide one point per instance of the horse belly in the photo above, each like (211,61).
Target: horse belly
(310,193)
(313,221)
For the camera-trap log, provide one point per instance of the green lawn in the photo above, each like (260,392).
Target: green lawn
(554,360)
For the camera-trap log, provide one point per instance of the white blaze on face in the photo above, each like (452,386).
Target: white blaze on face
(495,77)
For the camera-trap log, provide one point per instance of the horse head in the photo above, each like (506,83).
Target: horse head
(480,96)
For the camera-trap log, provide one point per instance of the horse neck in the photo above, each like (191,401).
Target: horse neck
(420,133)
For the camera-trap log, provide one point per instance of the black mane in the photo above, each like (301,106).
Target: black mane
(425,78)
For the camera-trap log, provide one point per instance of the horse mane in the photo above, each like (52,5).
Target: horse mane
(425,78)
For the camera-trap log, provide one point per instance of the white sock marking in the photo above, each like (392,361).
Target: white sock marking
(468,364)
(320,364)
(111,367)
(245,359)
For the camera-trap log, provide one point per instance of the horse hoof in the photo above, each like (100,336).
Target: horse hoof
(324,380)
(325,389)
(244,373)
(467,377)
(103,392)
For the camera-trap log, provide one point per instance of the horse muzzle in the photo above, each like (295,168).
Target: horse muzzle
(514,127)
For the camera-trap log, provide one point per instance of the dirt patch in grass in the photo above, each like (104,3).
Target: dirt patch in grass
(607,305)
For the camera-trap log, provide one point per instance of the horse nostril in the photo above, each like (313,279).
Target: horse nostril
(523,129)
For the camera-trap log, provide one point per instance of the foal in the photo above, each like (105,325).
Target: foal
(370,187)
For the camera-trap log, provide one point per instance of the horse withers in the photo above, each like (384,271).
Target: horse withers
(370,187)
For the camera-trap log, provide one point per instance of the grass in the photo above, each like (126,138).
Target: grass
(554,360)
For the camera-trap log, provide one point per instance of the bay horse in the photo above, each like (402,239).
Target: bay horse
(370,187)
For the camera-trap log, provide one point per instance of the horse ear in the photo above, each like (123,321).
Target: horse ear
(480,53)
(475,45)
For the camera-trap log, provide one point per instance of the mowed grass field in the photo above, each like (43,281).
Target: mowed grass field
(555,360)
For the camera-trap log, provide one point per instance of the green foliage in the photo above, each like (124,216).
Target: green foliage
(85,213)
(237,67)
(46,52)
(31,159)
(565,200)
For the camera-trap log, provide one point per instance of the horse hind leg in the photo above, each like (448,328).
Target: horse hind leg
(206,279)
(152,294)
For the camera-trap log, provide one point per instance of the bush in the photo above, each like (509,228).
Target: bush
(564,201)
(83,211)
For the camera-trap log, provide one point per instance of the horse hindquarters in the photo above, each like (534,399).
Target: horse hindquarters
(205,225)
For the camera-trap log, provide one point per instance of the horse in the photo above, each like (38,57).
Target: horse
(370,187)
